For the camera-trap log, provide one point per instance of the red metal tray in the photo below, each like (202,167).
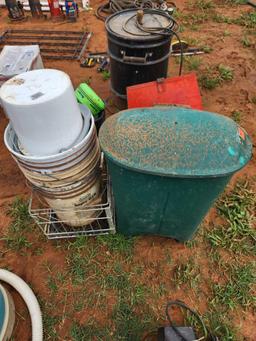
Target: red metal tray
(183,90)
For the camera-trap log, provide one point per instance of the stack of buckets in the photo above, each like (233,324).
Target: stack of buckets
(54,142)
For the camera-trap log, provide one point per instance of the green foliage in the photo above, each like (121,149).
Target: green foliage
(105,75)
(238,288)
(186,273)
(204,4)
(238,234)
(21,223)
(226,73)
(246,42)
(89,332)
(236,116)
(215,75)
(247,19)
(208,81)
(117,243)
(193,63)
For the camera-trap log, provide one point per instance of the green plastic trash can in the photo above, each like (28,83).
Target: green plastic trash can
(168,165)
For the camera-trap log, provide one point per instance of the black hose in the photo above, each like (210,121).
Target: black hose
(194,313)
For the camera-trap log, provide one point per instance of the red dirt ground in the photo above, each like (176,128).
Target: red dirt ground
(234,95)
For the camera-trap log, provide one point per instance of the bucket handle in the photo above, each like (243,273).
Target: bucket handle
(134,59)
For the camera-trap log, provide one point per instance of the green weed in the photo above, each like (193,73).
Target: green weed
(236,116)
(238,208)
(89,332)
(219,18)
(193,63)
(49,323)
(21,219)
(17,242)
(235,2)
(238,288)
(82,258)
(129,325)
(204,4)
(226,33)
(215,75)
(207,49)
(105,75)
(118,243)
(247,19)
(186,273)
(21,223)
(254,100)
(220,326)
(226,73)
(246,42)
(208,81)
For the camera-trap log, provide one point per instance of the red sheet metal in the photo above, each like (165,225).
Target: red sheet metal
(183,90)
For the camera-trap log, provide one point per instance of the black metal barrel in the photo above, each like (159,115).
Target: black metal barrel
(136,55)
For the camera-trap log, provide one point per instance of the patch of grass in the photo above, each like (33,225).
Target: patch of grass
(21,219)
(52,285)
(215,75)
(235,2)
(254,100)
(89,332)
(82,263)
(207,49)
(247,20)
(49,323)
(220,326)
(226,33)
(208,81)
(238,288)
(246,42)
(238,208)
(203,4)
(226,73)
(236,116)
(118,243)
(17,242)
(105,75)
(21,223)
(219,18)
(186,273)
(193,63)
(129,325)
(118,280)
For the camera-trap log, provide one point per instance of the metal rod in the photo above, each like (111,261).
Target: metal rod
(85,45)
(42,37)
(58,50)
(58,57)
(45,43)
(45,32)
(79,47)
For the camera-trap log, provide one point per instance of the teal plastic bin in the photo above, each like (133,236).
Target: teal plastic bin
(168,165)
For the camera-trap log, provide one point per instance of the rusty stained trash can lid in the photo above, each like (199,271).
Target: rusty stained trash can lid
(173,141)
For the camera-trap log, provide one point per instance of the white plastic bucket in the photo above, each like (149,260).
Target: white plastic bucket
(68,181)
(43,111)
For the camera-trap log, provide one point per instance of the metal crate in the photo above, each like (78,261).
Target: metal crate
(53,228)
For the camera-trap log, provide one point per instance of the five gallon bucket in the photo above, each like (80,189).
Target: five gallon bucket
(69,179)
(42,107)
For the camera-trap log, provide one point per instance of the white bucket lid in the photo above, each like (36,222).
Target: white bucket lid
(34,87)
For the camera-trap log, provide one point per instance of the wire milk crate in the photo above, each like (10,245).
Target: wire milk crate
(54,228)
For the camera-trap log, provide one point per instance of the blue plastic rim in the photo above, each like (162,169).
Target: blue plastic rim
(2,310)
